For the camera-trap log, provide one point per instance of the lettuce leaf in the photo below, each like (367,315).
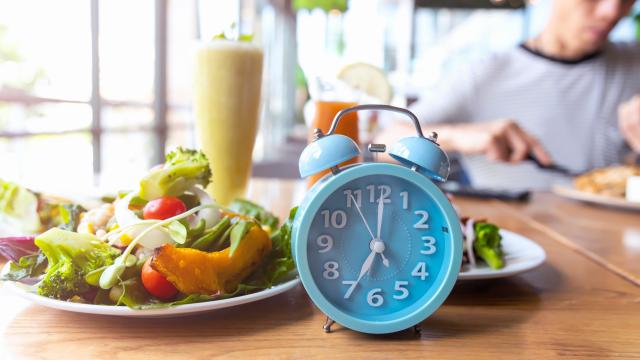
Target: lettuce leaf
(18,210)
(70,216)
(189,299)
(251,209)
(278,266)
(132,293)
(28,267)
(198,298)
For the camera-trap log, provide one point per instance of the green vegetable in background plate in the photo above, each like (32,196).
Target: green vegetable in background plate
(487,244)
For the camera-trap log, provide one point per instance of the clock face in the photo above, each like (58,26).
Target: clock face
(379,247)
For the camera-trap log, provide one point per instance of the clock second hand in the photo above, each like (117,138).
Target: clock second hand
(362,216)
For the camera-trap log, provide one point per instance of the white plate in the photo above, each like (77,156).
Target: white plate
(573,194)
(150,313)
(521,255)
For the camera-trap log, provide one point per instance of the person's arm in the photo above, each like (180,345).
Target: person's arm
(447,110)
(629,122)
(499,140)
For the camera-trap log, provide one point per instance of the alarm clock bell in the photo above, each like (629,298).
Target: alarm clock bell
(326,152)
(417,152)
(422,155)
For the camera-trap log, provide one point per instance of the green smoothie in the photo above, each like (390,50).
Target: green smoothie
(228,81)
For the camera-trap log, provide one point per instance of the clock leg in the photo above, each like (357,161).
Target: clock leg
(417,329)
(327,324)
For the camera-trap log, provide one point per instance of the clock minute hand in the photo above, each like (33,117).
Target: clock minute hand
(385,261)
(362,217)
(380,212)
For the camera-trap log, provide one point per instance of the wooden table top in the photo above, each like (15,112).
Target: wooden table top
(571,306)
(608,236)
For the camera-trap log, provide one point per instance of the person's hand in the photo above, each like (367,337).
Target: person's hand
(629,122)
(500,140)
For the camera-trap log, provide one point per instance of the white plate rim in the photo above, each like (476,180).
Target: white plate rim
(163,312)
(535,258)
(575,194)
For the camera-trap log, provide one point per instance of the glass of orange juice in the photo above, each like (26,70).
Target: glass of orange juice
(325,111)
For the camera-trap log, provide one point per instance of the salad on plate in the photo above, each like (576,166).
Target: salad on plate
(482,244)
(167,243)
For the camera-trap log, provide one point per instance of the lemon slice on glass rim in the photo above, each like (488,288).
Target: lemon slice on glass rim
(368,79)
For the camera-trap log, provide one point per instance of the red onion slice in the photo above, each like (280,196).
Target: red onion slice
(15,247)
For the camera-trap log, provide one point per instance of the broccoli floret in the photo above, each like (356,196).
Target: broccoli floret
(487,244)
(71,256)
(183,169)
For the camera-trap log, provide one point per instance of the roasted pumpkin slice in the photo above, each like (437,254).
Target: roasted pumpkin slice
(197,272)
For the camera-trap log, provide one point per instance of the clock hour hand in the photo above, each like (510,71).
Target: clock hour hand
(363,270)
(366,266)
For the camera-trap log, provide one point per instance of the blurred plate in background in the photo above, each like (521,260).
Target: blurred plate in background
(573,194)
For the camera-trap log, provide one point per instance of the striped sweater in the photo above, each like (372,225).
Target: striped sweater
(571,107)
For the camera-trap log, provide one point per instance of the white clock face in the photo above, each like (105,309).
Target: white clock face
(376,247)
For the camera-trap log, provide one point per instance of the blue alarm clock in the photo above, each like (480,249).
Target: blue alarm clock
(378,246)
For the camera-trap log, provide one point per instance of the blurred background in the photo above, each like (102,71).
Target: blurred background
(94,92)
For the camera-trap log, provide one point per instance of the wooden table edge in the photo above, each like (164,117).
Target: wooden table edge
(566,241)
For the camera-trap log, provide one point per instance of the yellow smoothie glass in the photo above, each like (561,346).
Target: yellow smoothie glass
(228,80)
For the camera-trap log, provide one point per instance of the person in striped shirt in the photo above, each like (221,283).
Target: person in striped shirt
(567,97)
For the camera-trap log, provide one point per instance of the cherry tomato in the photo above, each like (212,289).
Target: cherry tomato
(156,284)
(163,208)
